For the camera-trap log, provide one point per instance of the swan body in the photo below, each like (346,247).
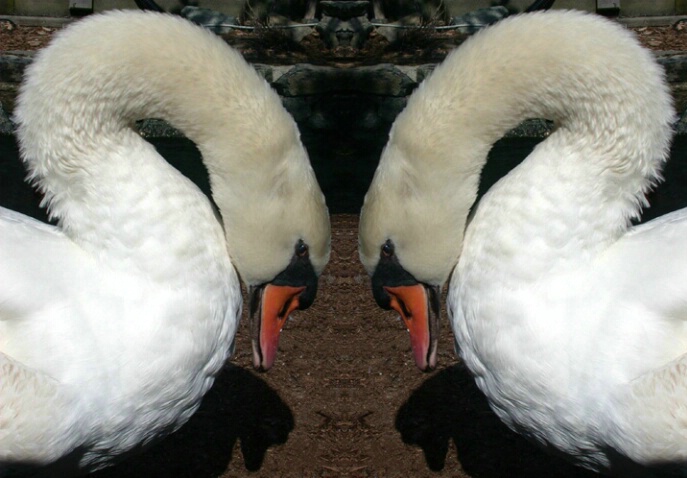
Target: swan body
(573,321)
(114,323)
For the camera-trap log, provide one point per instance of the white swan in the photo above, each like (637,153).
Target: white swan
(114,323)
(573,322)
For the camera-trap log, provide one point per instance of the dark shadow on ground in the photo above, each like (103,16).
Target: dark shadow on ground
(239,407)
(449,407)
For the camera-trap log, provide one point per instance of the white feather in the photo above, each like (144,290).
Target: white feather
(114,324)
(573,322)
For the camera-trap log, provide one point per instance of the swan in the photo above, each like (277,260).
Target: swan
(572,320)
(114,322)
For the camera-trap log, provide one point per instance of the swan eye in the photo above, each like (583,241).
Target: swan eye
(387,249)
(301,249)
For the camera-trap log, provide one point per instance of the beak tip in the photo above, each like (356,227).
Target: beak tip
(260,362)
(430,367)
(426,368)
(262,367)
(414,306)
(277,304)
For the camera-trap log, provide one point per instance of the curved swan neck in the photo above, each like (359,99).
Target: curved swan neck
(547,68)
(611,138)
(105,184)
(149,70)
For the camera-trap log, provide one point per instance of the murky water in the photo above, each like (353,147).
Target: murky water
(344,166)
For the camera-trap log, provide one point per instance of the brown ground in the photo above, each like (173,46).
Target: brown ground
(344,398)
(17,38)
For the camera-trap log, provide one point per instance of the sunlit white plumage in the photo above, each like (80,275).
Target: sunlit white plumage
(573,321)
(114,323)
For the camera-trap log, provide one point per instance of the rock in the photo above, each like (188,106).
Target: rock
(423,72)
(681,125)
(344,10)
(391,107)
(7,25)
(266,71)
(336,32)
(212,20)
(675,67)
(299,108)
(6,125)
(344,23)
(474,21)
(383,79)
(12,66)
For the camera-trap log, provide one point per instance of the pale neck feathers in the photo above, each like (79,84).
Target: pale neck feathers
(159,66)
(556,65)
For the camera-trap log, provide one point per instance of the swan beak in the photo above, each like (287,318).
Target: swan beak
(413,304)
(276,304)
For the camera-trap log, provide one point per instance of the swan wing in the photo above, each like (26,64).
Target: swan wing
(650,263)
(648,415)
(23,434)
(39,263)
(29,289)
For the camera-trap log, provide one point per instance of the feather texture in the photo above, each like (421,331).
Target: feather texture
(114,323)
(573,322)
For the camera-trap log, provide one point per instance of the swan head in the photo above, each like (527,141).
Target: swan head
(410,237)
(271,303)
(278,238)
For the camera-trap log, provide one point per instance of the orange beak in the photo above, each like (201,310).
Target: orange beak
(277,304)
(412,304)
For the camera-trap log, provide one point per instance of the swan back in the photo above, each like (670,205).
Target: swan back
(558,65)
